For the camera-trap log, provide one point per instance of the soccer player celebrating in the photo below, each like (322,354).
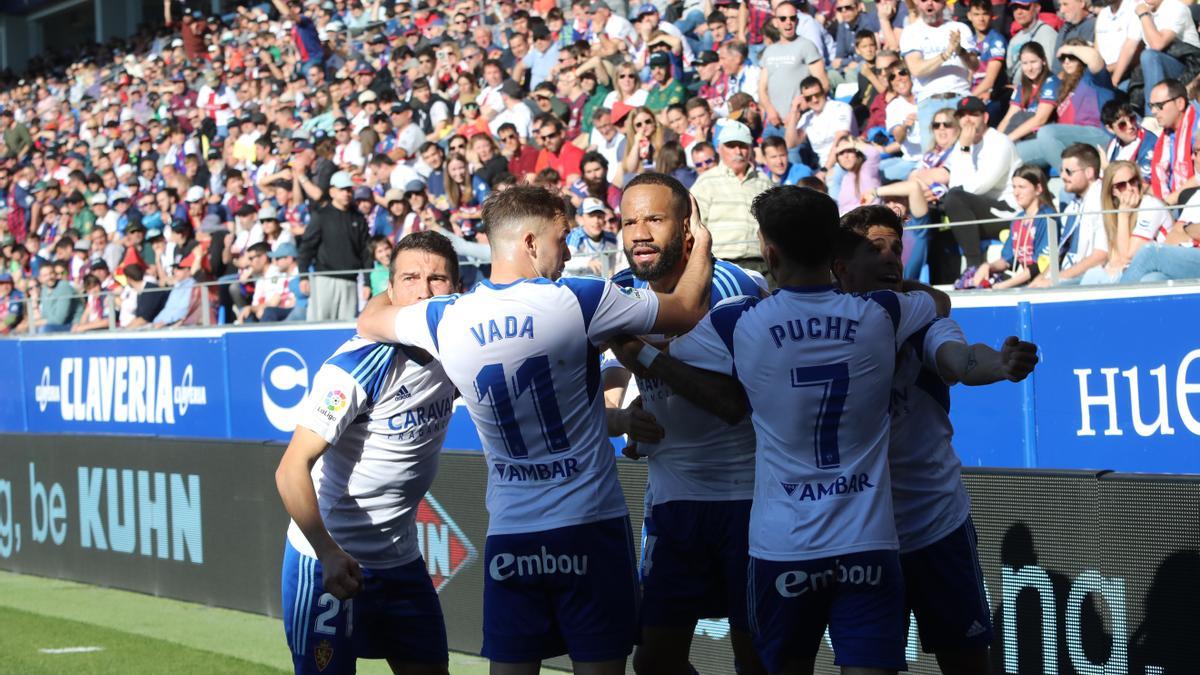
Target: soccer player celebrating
(363,455)
(701,474)
(523,347)
(816,366)
(933,511)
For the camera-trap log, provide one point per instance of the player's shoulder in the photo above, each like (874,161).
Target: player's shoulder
(363,360)
(625,278)
(730,280)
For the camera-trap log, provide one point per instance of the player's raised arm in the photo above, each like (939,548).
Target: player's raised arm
(681,309)
(978,364)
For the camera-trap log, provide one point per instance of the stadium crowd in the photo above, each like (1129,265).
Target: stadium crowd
(255,147)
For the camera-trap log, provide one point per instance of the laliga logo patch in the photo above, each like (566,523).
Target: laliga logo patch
(284,379)
(635,293)
(335,401)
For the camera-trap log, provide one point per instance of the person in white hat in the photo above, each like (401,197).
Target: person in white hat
(724,194)
(593,249)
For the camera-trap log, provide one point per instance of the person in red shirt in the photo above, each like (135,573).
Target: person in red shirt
(521,158)
(557,154)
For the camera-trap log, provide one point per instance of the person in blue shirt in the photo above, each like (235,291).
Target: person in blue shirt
(1029,238)
(989,82)
(1034,97)
(777,167)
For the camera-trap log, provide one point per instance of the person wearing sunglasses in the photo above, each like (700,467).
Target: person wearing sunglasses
(1171,165)
(1140,219)
(704,157)
(819,120)
(557,154)
(1130,141)
(1085,86)
(784,65)
(851,18)
(902,122)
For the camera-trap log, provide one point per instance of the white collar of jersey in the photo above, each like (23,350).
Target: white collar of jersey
(535,280)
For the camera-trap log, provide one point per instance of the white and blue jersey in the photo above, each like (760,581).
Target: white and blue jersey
(524,355)
(928,494)
(701,458)
(384,410)
(817,367)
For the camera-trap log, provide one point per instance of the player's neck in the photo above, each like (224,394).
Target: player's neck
(508,271)
(667,283)
(795,276)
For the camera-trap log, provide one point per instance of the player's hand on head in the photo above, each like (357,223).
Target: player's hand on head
(341,574)
(701,237)
(1018,358)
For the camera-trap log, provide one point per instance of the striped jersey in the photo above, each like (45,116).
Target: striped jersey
(701,458)
(384,410)
(817,367)
(525,357)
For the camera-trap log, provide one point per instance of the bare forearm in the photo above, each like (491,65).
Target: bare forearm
(378,319)
(973,365)
(717,393)
(295,486)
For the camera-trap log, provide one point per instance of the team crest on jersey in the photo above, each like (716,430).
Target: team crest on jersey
(444,546)
(335,401)
(635,293)
(323,654)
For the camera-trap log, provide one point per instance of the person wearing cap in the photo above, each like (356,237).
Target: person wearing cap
(981,168)
(515,112)
(1031,28)
(725,193)
(784,64)
(12,305)
(335,241)
(593,249)
(542,56)
(665,90)
(181,306)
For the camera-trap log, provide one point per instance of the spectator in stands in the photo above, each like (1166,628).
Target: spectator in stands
(852,18)
(556,153)
(1028,239)
(1141,220)
(724,194)
(872,79)
(257,258)
(1168,33)
(606,139)
(273,295)
(941,56)
(784,65)
(465,193)
(980,168)
(743,76)
(1030,29)
(1118,36)
(664,90)
(1034,97)
(1083,245)
(144,295)
(645,136)
(1084,89)
(820,121)
(1078,23)
(932,171)
(592,247)
(54,304)
(1166,262)
(776,165)
(902,122)
(335,241)
(521,158)
(907,201)
(95,312)
(1171,165)
(704,157)
(1131,141)
(12,305)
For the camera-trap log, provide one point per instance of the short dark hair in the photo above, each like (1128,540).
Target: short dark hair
(696,103)
(776,142)
(430,242)
(813,183)
(865,34)
(134,272)
(807,240)
(863,218)
(506,209)
(985,5)
(1115,109)
(1085,154)
(811,81)
(260,248)
(1175,88)
(680,199)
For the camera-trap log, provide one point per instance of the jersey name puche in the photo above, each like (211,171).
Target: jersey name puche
(817,367)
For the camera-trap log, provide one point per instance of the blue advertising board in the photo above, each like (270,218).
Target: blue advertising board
(132,386)
(1118,386)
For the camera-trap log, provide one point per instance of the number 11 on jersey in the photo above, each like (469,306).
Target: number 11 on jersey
(532,375)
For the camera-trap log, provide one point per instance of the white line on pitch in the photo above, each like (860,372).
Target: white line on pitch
(71,650)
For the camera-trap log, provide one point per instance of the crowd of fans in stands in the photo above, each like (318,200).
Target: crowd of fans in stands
(256,147)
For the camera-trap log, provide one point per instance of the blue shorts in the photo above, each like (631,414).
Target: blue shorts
(945,590)
(858,596)
(571,590)
(694,561)
(396,616)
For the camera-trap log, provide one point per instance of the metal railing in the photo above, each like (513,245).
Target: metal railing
(609,263)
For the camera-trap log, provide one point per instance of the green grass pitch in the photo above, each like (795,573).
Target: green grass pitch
(142,634)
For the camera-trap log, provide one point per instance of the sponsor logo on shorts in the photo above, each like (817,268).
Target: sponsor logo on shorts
(794,583)
(323,654)
(507,565)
